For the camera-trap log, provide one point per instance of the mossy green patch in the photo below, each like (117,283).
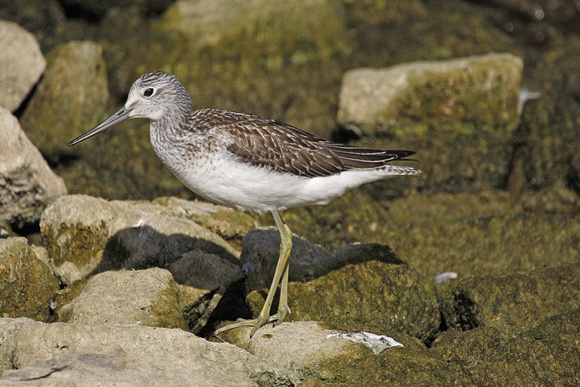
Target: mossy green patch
(406,366)
(76,243)
(166,311)
(27,285)
(515,301)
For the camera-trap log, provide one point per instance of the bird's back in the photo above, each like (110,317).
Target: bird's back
(283,148)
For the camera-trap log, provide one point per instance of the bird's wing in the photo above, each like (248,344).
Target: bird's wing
(281,147)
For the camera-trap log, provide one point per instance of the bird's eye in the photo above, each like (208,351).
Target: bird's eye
(148,92)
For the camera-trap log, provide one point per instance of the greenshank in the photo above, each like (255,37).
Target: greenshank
(249,162)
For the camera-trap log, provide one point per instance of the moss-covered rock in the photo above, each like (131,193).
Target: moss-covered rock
(546,354)
(27,285)
(73,96)
(360,287)
(515,302)
(407,366)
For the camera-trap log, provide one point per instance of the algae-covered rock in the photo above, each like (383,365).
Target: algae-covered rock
(515,302)
(359,287)
(479,234)
(85,235)
(547,354)
(302,32)
(409,365)
(27,285)
(460,115)
(72,96)
(144,297)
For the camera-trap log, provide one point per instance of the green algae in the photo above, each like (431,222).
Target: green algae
(27,284)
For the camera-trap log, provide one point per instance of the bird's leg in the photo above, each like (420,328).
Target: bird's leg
(285,248)
(280,273)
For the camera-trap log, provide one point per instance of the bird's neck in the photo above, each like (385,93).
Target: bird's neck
(170,127)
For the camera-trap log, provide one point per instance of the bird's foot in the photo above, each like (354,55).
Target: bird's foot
(280,315)
(258,322)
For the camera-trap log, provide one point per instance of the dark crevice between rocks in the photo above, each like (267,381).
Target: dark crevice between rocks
(231,307)
(61,159)
(465,311)
(194,314)
(29,230)
(73,11)
(443,326)
(24,105)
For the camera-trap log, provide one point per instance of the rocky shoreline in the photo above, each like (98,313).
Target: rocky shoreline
(466,275)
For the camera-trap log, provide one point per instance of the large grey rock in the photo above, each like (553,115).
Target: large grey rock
(21,64)
(86,235)
(296,344)
(27,285)
(143,297)
(71,97)
(102,355)
(476,89)
(27,184)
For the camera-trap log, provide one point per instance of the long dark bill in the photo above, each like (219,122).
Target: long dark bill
(121,115)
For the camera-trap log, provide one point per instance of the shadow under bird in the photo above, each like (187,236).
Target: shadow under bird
(248,162)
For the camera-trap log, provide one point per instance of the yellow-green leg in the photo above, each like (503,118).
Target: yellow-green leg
(281,273)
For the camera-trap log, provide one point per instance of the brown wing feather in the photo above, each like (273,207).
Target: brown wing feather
(273,144)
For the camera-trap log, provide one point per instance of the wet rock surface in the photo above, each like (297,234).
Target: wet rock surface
(496,209)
